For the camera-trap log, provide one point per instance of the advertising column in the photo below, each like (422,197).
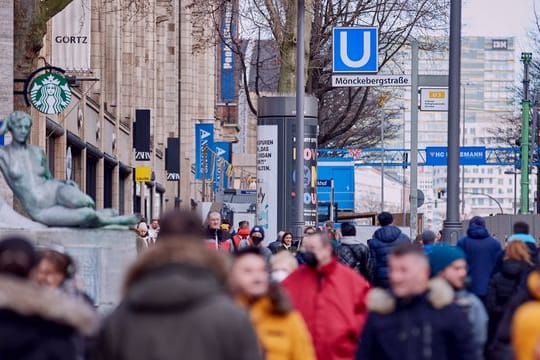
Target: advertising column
(267,179)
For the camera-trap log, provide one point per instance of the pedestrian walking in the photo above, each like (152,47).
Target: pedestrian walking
(507,282)
(216,237)
(353,253)
(256,238)
(381,244)
(175,303)
(482,251)
(287,243)
(521,233)
(281,330)
(526,323)
(282,264)
(417,319)
(448,262)
(274,245)
(331,298)
(428,241)
(37,322)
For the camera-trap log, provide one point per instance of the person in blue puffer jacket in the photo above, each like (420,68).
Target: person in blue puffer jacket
(483,252)
(381,244)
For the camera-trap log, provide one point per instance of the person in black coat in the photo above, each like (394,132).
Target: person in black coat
(417,318)
(176,305)
(506,283)
(380,245)
(37,323)
(483,252)
(353,253)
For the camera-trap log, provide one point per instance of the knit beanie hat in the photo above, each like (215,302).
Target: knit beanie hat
(258,229)
(442,256)
(17,256)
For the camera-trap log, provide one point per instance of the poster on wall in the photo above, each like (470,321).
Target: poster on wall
(267,170)
(309,177)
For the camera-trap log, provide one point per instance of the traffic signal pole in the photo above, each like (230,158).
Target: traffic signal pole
(525,111)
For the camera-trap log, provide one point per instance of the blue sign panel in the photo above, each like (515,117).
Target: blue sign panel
(355,50)
(204,139)
(468,155)
(222,150)
(227,55)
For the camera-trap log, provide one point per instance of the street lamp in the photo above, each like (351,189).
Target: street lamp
(515,173)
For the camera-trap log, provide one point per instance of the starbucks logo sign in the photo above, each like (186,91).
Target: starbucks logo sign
(50,93)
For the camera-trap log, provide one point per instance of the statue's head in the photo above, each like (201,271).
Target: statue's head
(19,124)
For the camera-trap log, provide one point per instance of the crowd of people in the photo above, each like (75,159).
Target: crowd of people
(209,291)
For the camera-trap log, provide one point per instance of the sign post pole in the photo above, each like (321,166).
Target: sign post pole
(452,226)
(299,165)
(414,140)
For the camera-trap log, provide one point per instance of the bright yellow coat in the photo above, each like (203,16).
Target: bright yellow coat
(282,337)
(526,323)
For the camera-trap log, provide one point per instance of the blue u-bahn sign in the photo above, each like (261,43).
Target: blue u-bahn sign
(468,155)
(355,50)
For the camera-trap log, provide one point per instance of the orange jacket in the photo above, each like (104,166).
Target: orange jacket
(282,337)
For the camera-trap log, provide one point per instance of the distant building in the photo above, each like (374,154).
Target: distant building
(488,97)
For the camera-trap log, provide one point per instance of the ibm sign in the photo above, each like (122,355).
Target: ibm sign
(355,50)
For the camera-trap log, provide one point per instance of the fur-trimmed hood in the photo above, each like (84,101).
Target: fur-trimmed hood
(174,275)
(439,295)
(29,299)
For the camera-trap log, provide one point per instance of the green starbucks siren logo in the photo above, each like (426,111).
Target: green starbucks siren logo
(50,93)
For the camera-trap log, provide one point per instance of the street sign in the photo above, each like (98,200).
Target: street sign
(143,173)
(355,49)
(370,80)
(50,93)
(434,99)
(324,183)
(468,155)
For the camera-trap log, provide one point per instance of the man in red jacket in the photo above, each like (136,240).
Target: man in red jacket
(331,297)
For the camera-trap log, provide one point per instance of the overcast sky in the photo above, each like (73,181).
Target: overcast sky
(499,18)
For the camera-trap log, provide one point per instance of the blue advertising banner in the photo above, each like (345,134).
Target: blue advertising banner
(468,155)
(222,150)
(227,55)
(204,138)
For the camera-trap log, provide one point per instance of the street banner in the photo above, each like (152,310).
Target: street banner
(468,155)
(172,159)
(204,143)
(228,85)
(71,36)
(267,178)
(222,150)
(141,135)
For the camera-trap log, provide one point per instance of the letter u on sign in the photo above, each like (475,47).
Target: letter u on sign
(355,50)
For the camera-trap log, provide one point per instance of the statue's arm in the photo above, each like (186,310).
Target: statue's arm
(45,171)
(3,162)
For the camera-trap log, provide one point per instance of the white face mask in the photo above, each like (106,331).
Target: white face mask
(279,275)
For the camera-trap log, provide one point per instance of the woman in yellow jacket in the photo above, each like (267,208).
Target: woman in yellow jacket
(526,323)
(281,330)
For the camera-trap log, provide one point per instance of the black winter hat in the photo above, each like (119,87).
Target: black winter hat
(17,256)
(385,218)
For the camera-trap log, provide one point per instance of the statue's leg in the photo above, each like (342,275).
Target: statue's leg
(105,220)
(71,197)
(62,216)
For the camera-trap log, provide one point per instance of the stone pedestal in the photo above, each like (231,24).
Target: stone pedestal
(102,257)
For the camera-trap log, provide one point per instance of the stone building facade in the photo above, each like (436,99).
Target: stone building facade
(141,58)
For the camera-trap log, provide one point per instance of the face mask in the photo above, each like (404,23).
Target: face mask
(279,275)
(257,240)
(310,259)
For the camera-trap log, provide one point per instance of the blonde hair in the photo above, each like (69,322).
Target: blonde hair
(517,250)
(286,259)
